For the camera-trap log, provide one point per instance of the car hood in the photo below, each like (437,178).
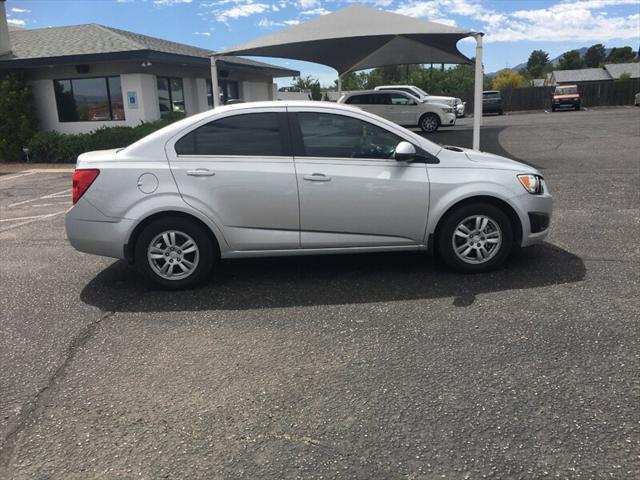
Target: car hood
(438,99)
(490,160)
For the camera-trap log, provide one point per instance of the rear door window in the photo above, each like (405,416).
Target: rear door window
(250,134)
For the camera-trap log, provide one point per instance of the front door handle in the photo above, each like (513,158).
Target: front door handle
(317,177)
(201,172)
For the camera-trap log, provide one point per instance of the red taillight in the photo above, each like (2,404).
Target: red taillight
(82,180)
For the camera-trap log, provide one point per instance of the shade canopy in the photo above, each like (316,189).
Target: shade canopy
(357,37)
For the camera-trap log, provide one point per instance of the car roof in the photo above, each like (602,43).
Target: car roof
(376,92)
(395,86)
(566,86)
(491,91)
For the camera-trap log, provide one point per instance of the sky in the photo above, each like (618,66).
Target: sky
(513,27)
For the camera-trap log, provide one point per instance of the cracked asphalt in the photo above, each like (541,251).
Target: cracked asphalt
(383,366)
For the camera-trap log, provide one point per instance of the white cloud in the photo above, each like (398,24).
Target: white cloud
(315,11)
(576,20)
(307,4)
(20,10)
(244,10)
(204,34)
(16,22)
(170,2)
(581,20)
(268,23)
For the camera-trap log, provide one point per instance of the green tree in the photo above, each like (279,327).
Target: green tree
(595,55)
(311,84)
(625,77)
(537,62)
(621,55)
(508,79)
(17,112)
(571,60)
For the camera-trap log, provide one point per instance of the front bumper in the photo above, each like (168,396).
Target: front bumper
(89,231)
(449,120)
(535,213)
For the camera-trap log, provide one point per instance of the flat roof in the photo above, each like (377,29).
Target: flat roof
(92,43)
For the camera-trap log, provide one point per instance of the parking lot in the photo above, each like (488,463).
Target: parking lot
(373,366)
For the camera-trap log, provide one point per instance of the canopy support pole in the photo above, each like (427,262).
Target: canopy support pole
(339,85)
(477,96)
(215,90)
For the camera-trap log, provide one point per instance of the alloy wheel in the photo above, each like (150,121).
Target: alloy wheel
(173,255)
(477,239)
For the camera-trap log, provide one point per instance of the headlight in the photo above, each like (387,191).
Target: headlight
(532,183)
(449,110)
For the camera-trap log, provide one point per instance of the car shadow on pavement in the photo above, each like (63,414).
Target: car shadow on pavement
(331,280)
(489,141)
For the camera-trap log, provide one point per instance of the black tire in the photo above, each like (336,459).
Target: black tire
(207,252)
(429,122)
(501,112)
(445,237)
(577,106)
(553,109)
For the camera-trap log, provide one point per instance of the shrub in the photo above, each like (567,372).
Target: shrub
(54,147)
(17,112)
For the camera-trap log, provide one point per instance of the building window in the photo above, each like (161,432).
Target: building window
(89,99)
(228,91)
(170,95)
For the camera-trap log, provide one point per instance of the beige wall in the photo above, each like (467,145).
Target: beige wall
(142,81)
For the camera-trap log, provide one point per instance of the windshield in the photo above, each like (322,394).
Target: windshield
(422,92)
(566,90)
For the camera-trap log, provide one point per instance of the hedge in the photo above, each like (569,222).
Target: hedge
(54,147)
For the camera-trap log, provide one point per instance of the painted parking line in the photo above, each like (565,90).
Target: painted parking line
(61,194)
(28,220)
(17,175)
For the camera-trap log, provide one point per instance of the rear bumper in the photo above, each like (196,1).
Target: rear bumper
(89,231)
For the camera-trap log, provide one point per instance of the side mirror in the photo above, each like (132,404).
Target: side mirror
(405,152)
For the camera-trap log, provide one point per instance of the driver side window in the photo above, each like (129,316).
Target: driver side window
(339,136)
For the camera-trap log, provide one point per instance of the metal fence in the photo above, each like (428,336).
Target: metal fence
(594,94)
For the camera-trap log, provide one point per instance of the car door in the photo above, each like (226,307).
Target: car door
(403,110)
(238,170)
(352,192)
(375,102)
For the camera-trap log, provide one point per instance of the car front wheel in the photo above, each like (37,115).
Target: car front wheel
(429,122)
(175,253)
(475,238)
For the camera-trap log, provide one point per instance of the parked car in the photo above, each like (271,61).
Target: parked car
(292,178)
(565,96)
(402,108)
(425,97)
(636,100)
(492,102)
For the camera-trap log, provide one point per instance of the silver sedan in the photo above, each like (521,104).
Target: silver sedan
(295,178)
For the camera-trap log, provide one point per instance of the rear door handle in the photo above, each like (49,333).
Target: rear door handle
(317,177)
(201,172)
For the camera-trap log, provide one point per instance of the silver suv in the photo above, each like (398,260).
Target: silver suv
(292,178)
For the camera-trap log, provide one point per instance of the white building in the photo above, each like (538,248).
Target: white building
(87,76)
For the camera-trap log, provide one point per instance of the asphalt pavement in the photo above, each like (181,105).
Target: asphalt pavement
(366,366)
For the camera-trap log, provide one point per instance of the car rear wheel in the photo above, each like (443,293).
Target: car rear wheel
(475,238)
(175,253)
(429,122)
